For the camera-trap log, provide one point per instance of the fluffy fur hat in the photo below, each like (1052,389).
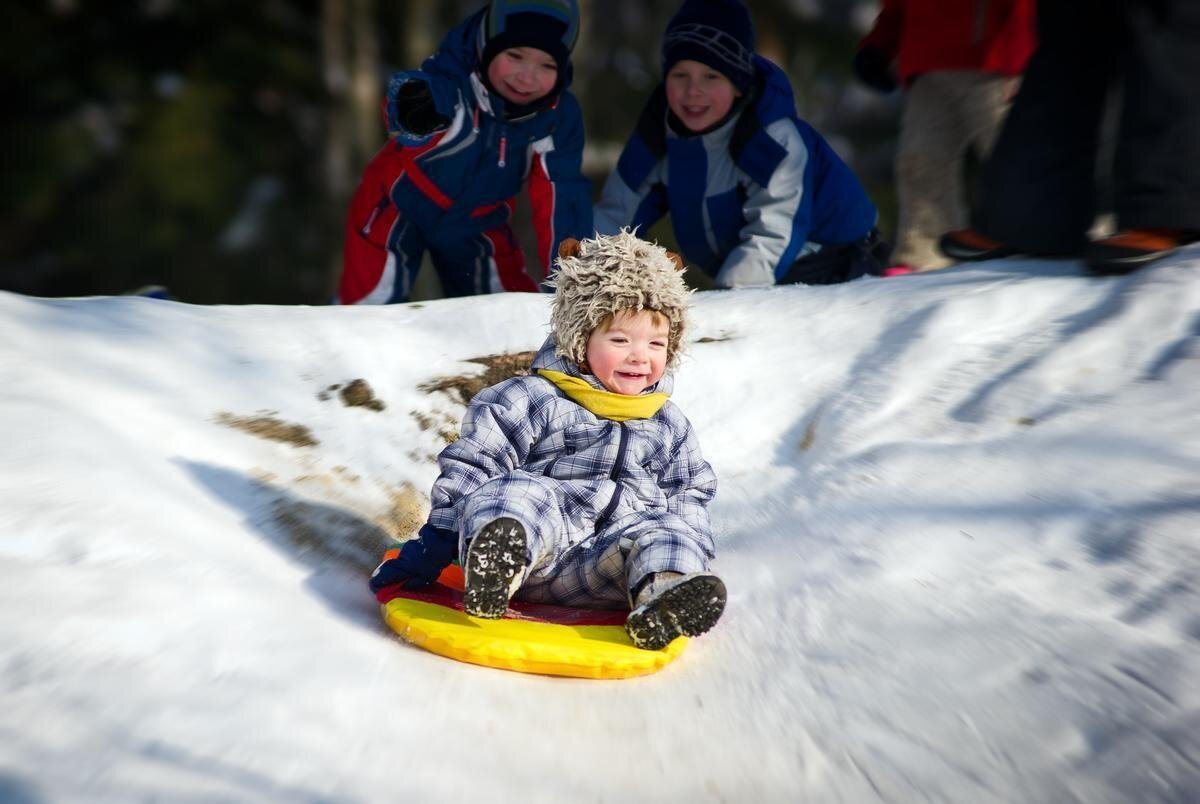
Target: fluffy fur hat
(601,276)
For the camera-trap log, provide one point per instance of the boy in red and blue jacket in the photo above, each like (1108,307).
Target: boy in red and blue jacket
(486,114)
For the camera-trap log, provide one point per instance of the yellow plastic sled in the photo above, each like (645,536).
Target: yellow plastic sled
(531,638)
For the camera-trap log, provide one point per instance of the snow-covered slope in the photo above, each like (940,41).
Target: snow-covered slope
(958,519)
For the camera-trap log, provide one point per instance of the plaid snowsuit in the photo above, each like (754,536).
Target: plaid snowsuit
(603,502)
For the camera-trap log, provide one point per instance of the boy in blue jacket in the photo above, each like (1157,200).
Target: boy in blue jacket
(756,196)
(486,114)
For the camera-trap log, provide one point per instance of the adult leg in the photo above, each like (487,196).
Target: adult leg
(986,101)
(1157,171)
(1039,184)
(928,171)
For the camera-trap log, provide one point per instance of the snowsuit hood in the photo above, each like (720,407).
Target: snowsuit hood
(774,99)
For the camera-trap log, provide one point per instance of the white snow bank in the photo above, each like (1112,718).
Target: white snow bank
(958,518)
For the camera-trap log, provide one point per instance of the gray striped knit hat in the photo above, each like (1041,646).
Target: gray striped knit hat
(549,25)
(718,33)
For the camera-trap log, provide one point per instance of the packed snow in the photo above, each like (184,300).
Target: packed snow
(959,520)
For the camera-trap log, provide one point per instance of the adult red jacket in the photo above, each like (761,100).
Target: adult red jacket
(996,36)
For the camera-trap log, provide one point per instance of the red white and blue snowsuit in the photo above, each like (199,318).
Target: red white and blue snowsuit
(452,192)
(604,503)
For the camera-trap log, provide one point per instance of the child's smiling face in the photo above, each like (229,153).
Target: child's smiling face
(522,75)
(699,95)
(629,353)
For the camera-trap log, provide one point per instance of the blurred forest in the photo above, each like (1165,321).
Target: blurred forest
(212,146)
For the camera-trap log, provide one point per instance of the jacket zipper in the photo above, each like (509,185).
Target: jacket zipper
(380,207)
(614,476)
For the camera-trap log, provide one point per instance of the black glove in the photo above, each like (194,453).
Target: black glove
(874,68)
(412,110)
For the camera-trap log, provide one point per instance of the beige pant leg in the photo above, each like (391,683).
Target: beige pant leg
(928,188)
(985,100)
(944,114)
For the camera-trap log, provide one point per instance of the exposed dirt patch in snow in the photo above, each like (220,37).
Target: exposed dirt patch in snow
(447,428)
(322,533)
(354,394)
(497,368)
(265,425)
(409,510)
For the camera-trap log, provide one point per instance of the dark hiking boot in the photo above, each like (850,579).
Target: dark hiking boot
(1130,249)
(673,605)
(970,245)
(496,560)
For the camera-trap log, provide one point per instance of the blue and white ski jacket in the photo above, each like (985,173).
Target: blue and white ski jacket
(607,476)
(465,176)
(746,200)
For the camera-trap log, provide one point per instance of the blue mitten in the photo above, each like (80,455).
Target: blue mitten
(416,563)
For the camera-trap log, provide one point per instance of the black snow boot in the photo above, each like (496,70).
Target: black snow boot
(496,560)
(671,605)
(1129,249)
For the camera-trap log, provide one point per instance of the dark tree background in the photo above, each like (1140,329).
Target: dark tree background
(211,146)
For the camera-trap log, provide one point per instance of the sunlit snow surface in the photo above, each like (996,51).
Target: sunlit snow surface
(959,519)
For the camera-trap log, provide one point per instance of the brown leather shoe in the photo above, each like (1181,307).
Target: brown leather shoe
(1130,249)
(971,245)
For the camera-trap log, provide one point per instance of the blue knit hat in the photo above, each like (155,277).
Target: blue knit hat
(549,25)
(718,33)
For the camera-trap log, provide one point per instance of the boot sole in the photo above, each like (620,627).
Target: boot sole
(1119,265)
(967,253)
(690,608)
(495,560)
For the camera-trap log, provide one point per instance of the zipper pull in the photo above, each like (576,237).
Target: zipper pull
(380,207)
(475,121)
(503,148)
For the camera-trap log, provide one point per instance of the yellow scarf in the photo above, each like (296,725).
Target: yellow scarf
(606,404)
